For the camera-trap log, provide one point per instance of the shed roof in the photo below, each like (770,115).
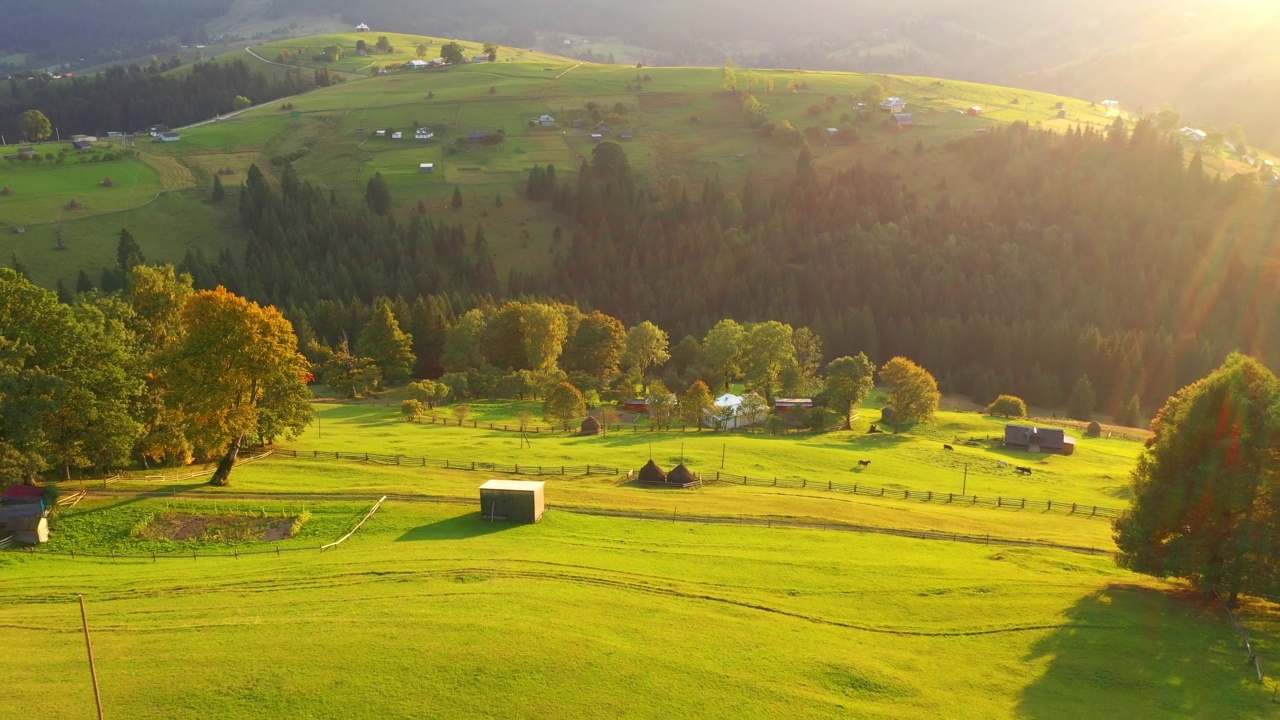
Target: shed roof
(23,492)
(517,485)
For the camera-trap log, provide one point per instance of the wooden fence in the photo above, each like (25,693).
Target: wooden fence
(1248,644)
(468,465)
(1070,508)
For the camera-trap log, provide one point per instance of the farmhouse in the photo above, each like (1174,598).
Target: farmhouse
(1194,135)
(547,121)
(602,127)
(423,134)
(788,404)
(636,405)
(518,501)
(894,105)
(1034,439)
(480,59)
(416,64)
(975,110)
(158,130)
(726,411)
(427,168)
(362,28)
(397,135)
(168,137)
(904,119)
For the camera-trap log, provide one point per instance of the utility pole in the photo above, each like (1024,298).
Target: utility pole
(722,451)
(965,487)
(84,621)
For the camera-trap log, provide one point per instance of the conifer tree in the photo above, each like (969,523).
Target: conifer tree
(219,192)
(128,254)
(1081,403)
(457,198)
(377,195)
(390,348)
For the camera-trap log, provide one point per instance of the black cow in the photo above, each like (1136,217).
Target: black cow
(863,463)
(874,430)
(947,447)
(1023,470)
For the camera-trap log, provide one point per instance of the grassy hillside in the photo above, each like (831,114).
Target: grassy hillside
(582,616)
(330,136)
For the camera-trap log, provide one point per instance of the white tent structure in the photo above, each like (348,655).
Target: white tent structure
(726,410)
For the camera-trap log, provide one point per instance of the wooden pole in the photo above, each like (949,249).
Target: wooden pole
(88,644)
(723,447)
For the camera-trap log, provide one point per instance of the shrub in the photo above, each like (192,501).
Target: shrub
(303,518)
(74,204)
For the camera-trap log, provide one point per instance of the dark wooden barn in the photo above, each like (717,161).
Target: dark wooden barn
(518,501)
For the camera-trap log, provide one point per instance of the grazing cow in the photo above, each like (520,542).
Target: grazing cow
(947,447)
(863,463)
(1023,470)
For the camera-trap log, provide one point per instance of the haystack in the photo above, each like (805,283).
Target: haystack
(590,426)
(681,476)
(651,473)
(1094,429)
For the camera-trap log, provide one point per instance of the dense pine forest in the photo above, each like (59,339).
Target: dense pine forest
(131,98)
(1096,253)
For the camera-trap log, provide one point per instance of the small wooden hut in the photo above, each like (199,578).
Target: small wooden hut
(590,426)
(651,474)
(519,501)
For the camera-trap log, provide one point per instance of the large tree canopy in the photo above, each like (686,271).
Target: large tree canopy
(237,367)
(1206,492)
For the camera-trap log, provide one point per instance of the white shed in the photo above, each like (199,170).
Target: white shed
(427,168)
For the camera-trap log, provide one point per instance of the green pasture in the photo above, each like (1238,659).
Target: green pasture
(404,50)
(165,228)
(1097,474)
(430,612)
(41,191)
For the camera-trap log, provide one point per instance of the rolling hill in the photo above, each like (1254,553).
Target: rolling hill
(330,136)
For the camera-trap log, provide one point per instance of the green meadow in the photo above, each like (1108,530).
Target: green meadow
(429,611)
(41,192)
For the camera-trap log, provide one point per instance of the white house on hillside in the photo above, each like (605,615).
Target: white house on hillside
(726,411)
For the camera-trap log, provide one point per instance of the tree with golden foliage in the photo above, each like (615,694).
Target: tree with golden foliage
(913,392)
(237,373)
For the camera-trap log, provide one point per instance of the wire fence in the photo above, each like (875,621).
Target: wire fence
(1070,508)
(528,469)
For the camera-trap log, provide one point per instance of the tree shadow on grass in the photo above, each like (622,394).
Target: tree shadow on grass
(1136,652)
(461,527)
